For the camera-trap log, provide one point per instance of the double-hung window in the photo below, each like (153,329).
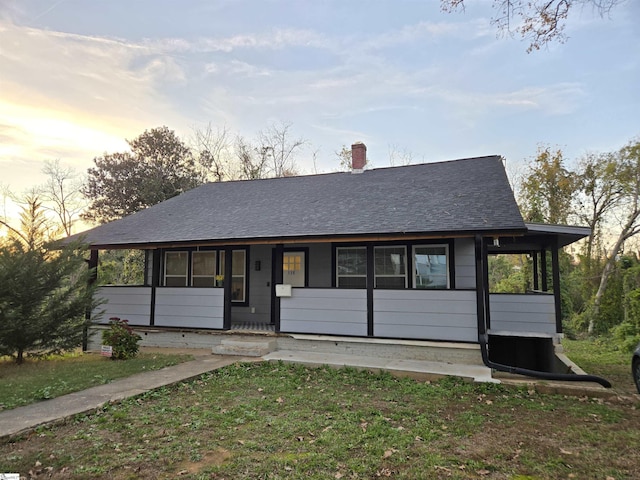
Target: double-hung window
(351,267)
(176,266)
(390,266)
(238,274)
(203,268)
(431,266)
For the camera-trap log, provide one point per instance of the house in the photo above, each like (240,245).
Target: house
(399,254)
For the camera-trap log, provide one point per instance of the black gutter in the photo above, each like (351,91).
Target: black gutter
(481,283)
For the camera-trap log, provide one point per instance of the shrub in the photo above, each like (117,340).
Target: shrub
(122,339)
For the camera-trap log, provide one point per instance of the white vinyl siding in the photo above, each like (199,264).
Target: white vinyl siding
(126,303)
(189,307)
(426,314)
(521,313)
(325,311)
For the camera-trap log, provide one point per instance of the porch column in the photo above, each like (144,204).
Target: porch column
(228,272)
(555,272)
(278,278)
(92,265)
(370,284)
(543,262)
(482,292)
(155,281)
(536,284)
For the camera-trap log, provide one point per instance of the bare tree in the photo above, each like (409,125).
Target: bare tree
(344,159)
(213,152)
(399,155)
(276,142)
(538,21)
(253,161)
(61,194)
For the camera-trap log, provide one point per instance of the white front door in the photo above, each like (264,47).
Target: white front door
(293,269)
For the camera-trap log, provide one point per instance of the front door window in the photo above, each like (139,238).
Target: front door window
(293,269)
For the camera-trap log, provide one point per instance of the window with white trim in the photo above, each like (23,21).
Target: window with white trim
(390,266)
(351,267)
(238,274)
(176,266)
(203,268)
(431,266)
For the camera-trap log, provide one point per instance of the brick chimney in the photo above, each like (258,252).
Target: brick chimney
(358,157)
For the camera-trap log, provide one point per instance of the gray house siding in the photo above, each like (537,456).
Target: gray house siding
(465,263)
(127,303)
(523,313)
(325,311)
(425,314)
(189,307)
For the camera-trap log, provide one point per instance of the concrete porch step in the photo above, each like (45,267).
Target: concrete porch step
(414,368)
(244,347)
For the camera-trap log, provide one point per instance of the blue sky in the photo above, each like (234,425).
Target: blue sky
(77,77)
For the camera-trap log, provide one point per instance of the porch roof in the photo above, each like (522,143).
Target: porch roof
(468,195)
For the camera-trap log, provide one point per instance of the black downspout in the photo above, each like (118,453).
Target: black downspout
(482,309)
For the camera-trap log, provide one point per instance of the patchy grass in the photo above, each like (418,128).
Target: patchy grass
(602,357)
(51,377)
(277,421)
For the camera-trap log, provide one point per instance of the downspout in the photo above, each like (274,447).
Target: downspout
(483,311)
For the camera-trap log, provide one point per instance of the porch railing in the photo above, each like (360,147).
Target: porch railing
(523,313)
(324,311)
(426,314)
(126,303)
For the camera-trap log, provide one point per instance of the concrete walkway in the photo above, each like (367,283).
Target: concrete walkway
(24,419)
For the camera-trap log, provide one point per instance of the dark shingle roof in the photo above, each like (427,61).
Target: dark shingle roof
(469,195)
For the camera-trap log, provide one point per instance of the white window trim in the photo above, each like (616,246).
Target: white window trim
(215,253)
(413,261)
(338,276)
(186,266)
(243,276)
(405,275)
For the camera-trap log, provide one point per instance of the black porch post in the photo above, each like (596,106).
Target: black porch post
(481,298)
(536,284)
(93,277)
(278,278)
(228,271)
(155,281)
(543,265)
(370,284)
(555,272)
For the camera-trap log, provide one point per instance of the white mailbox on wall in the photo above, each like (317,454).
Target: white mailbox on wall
(283,290)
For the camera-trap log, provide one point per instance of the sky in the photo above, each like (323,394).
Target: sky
(79,77)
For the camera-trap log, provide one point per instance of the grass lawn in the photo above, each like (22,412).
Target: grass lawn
(601,357)
(37,380)
(277,421)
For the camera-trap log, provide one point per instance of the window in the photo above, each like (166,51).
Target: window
(351,267)
(431,266)
(203,269)
(390,267)
(175,269)
(238,274)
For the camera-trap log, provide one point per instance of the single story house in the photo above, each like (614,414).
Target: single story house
(397,253)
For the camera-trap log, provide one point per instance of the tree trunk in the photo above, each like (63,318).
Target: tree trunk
(606,273)
(20,356)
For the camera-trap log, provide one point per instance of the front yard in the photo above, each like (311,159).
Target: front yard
(276,421)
